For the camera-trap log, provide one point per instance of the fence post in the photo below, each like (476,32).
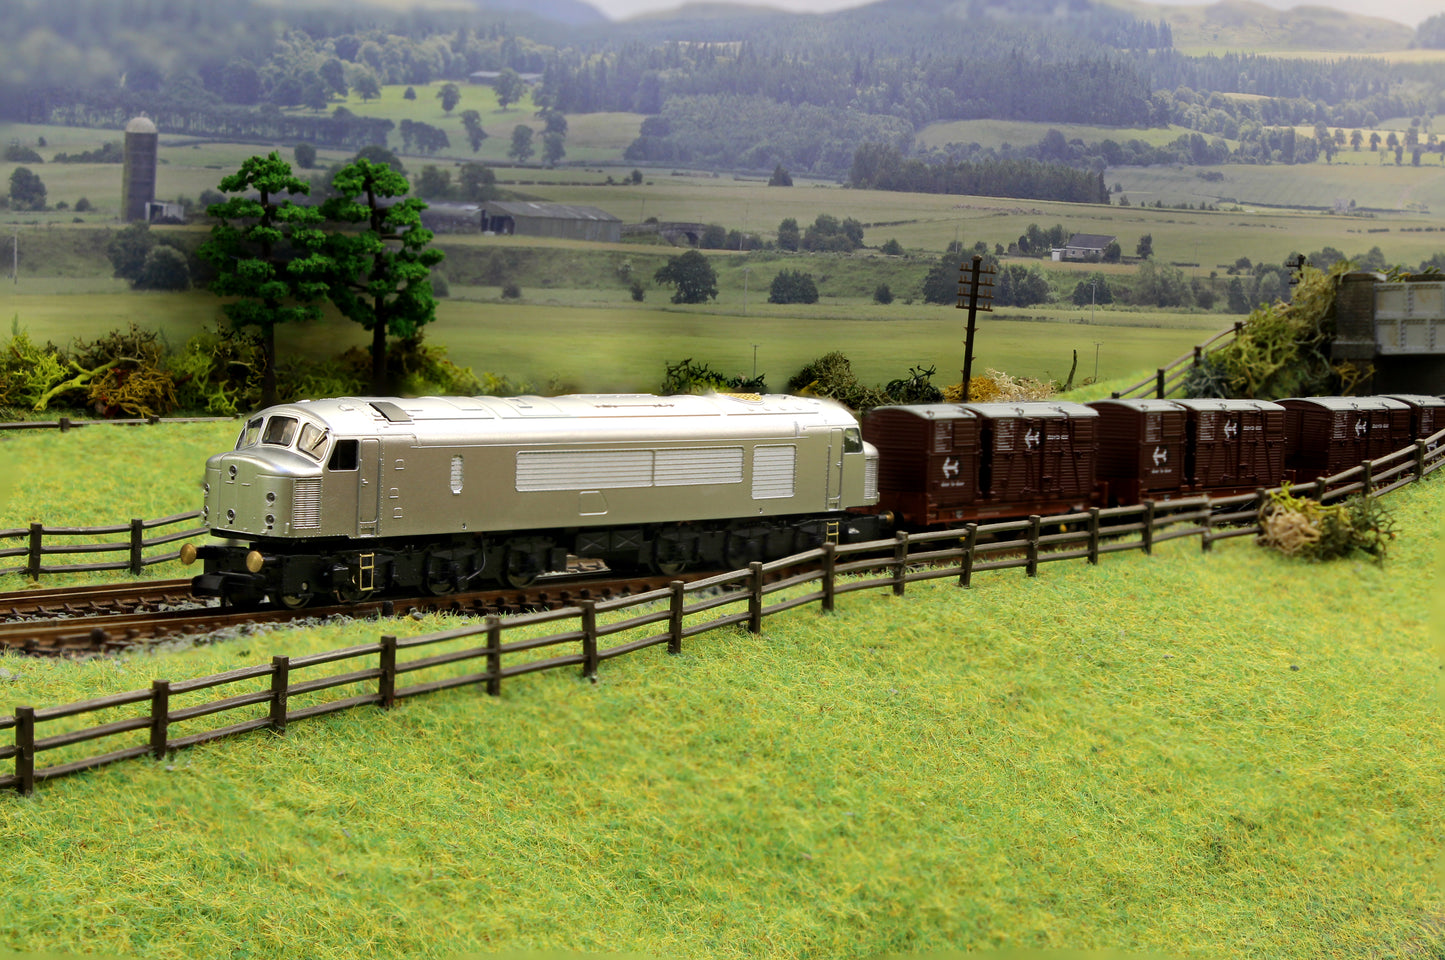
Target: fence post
(1206,539)
(755,598)
(1368,466)
(1159,384)
(1094,535)
(137,540)
(1419,460)
(494,656)
(32,560)
(1149,527)
(1032,567)
(970,541)
(280,681)
(830,569)
(589,639)
(674,620)
(386,683)
(900,562)
(160,717)
(1262,496)
(25,750)
(64,424)
(1198,355)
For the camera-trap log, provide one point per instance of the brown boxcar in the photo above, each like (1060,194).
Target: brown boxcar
(1427,414)
(928,456)
(1233,446)
(1036,457)
(1141,449)
(1331,434)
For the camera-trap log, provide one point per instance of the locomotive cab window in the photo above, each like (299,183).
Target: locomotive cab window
(852,441)
(343,456)
(279,431)
(249,434)
(313,440)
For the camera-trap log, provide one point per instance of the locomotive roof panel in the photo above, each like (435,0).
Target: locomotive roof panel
(1347,403)
(601,417)
(1218,404)
(1039,409)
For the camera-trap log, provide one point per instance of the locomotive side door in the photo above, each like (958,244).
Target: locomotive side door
(368,487)
(835,469)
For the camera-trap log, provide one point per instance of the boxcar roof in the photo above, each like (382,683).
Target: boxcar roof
(1033,408)
(930,411)
(1216,403)
(1349,403)
(1143,406)
(1416,399)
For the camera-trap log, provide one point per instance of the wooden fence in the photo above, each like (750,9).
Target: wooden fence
(65,424)
(377,673)
(1171,376)
(134,545)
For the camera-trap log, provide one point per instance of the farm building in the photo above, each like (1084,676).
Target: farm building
(490,77)
(138,172)
(452,218)
(1084,246)
(529,219)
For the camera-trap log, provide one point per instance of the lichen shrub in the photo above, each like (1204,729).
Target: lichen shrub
(1300,527)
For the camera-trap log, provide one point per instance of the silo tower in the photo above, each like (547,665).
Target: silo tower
(138,186)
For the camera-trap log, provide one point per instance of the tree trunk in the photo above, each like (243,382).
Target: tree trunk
(379,386)
(268,376)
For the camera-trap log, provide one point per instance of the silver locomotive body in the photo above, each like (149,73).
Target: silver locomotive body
(350,495)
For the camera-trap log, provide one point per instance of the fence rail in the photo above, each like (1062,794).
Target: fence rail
(1171,376)
(135,545)
(65,424)
(668,616)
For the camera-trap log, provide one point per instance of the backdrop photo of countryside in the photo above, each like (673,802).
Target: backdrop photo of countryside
(1211,729)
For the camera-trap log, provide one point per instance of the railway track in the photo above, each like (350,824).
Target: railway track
(86,621)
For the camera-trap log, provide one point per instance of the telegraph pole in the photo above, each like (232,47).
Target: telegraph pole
(979,296)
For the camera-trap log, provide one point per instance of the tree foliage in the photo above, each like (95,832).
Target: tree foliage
(792,286)
(27,190)
(691,276)
(379,274)
(266,251)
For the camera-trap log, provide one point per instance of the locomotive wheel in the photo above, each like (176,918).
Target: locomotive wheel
(349,592)
(517,570)
(669,568)
(438,586)
(294,601)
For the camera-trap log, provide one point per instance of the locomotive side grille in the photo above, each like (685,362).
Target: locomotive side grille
(306,504)
(870,479)
(679,468)
(617,469)
(774,469)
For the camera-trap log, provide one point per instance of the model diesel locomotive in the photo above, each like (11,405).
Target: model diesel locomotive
(348,496)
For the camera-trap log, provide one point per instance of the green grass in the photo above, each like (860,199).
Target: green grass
(1203,755)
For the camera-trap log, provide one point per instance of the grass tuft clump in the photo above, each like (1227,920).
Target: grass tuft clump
(1300,527)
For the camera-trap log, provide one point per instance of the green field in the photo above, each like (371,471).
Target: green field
(1197,755)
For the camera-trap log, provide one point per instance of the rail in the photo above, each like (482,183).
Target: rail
(378,674)
(134,545)
(1170,377)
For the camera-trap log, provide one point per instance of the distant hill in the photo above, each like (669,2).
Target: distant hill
(574,13)
(1245,26)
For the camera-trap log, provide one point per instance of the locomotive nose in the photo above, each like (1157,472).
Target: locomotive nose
(250,494)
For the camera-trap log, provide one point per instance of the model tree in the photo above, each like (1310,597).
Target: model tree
(380,275)
(267,254)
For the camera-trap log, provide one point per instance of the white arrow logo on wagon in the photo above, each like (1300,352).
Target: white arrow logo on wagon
(950,468)
(1160,456)
(1230,429)
(1360,428)
(1031,439)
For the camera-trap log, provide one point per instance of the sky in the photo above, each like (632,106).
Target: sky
(1409,12)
